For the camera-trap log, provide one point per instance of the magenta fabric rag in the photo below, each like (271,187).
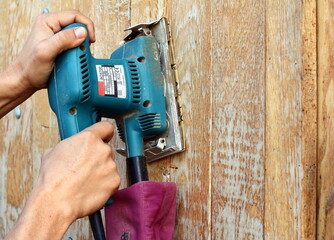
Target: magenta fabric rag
(143,211)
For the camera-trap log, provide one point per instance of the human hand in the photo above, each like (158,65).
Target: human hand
(76,179)
(79,174)
(46,41)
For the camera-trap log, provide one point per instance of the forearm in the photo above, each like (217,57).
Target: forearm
(14,89)
(40,219)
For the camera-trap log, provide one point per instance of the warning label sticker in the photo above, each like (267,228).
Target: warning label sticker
(111,80)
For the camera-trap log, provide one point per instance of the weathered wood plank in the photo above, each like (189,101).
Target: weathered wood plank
(309,121)
(191,30)
(325,118)
(147,10)
(238,119)
(4,27)
(283,120)
(248,75)
(290,132)
(16,152)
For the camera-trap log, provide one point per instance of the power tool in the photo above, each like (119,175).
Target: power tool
(137,87)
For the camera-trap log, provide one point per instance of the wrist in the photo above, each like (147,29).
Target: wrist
(16,86)
(19,81)
(54,208)
(41,218)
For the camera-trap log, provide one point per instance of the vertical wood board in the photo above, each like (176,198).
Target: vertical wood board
(191,30)
(256,84)
(290,120)
(238,118)
(325,119)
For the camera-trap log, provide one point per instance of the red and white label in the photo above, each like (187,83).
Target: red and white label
(111,80)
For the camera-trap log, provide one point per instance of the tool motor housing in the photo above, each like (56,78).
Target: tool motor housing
(128,87)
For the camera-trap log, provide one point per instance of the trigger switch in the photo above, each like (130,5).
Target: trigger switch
(98,117)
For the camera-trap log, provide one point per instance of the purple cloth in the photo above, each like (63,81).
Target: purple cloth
(143,211)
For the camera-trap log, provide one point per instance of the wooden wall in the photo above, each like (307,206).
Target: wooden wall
(257,85)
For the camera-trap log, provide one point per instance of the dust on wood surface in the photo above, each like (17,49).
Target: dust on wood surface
(257,90)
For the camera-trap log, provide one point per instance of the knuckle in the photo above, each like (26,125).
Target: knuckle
(110,152)
(41,17)
(89,136)
(40,53)
(75,13)
(107,152)
(112,166)
(117,180)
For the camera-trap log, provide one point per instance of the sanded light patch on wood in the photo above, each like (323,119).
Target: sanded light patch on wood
(191,31)
(143,11)
(238,118)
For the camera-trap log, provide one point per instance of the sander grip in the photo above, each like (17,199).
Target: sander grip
(96,224)
(136,169)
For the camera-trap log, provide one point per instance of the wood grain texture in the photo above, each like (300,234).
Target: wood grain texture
(325,118)
(283,120)
(253,77)
(238,119)
(309,120)
(16,150)
(291,120)
(191,30)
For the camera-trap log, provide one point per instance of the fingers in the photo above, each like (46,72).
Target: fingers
(63,40)
(103,130)
(56,21)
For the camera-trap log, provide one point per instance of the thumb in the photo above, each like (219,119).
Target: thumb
(103,129)
(66,39)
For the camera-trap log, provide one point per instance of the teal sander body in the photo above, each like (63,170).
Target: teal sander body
(128,87)
(137,87)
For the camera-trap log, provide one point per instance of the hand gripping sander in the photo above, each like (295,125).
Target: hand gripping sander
(137,87)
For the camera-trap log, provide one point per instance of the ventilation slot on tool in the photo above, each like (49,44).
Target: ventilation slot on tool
(85,83)
(135,82)
(120,131)
(148,121)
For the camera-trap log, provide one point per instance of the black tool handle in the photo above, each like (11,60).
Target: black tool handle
(95,219)
(97,226)
(136,169)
